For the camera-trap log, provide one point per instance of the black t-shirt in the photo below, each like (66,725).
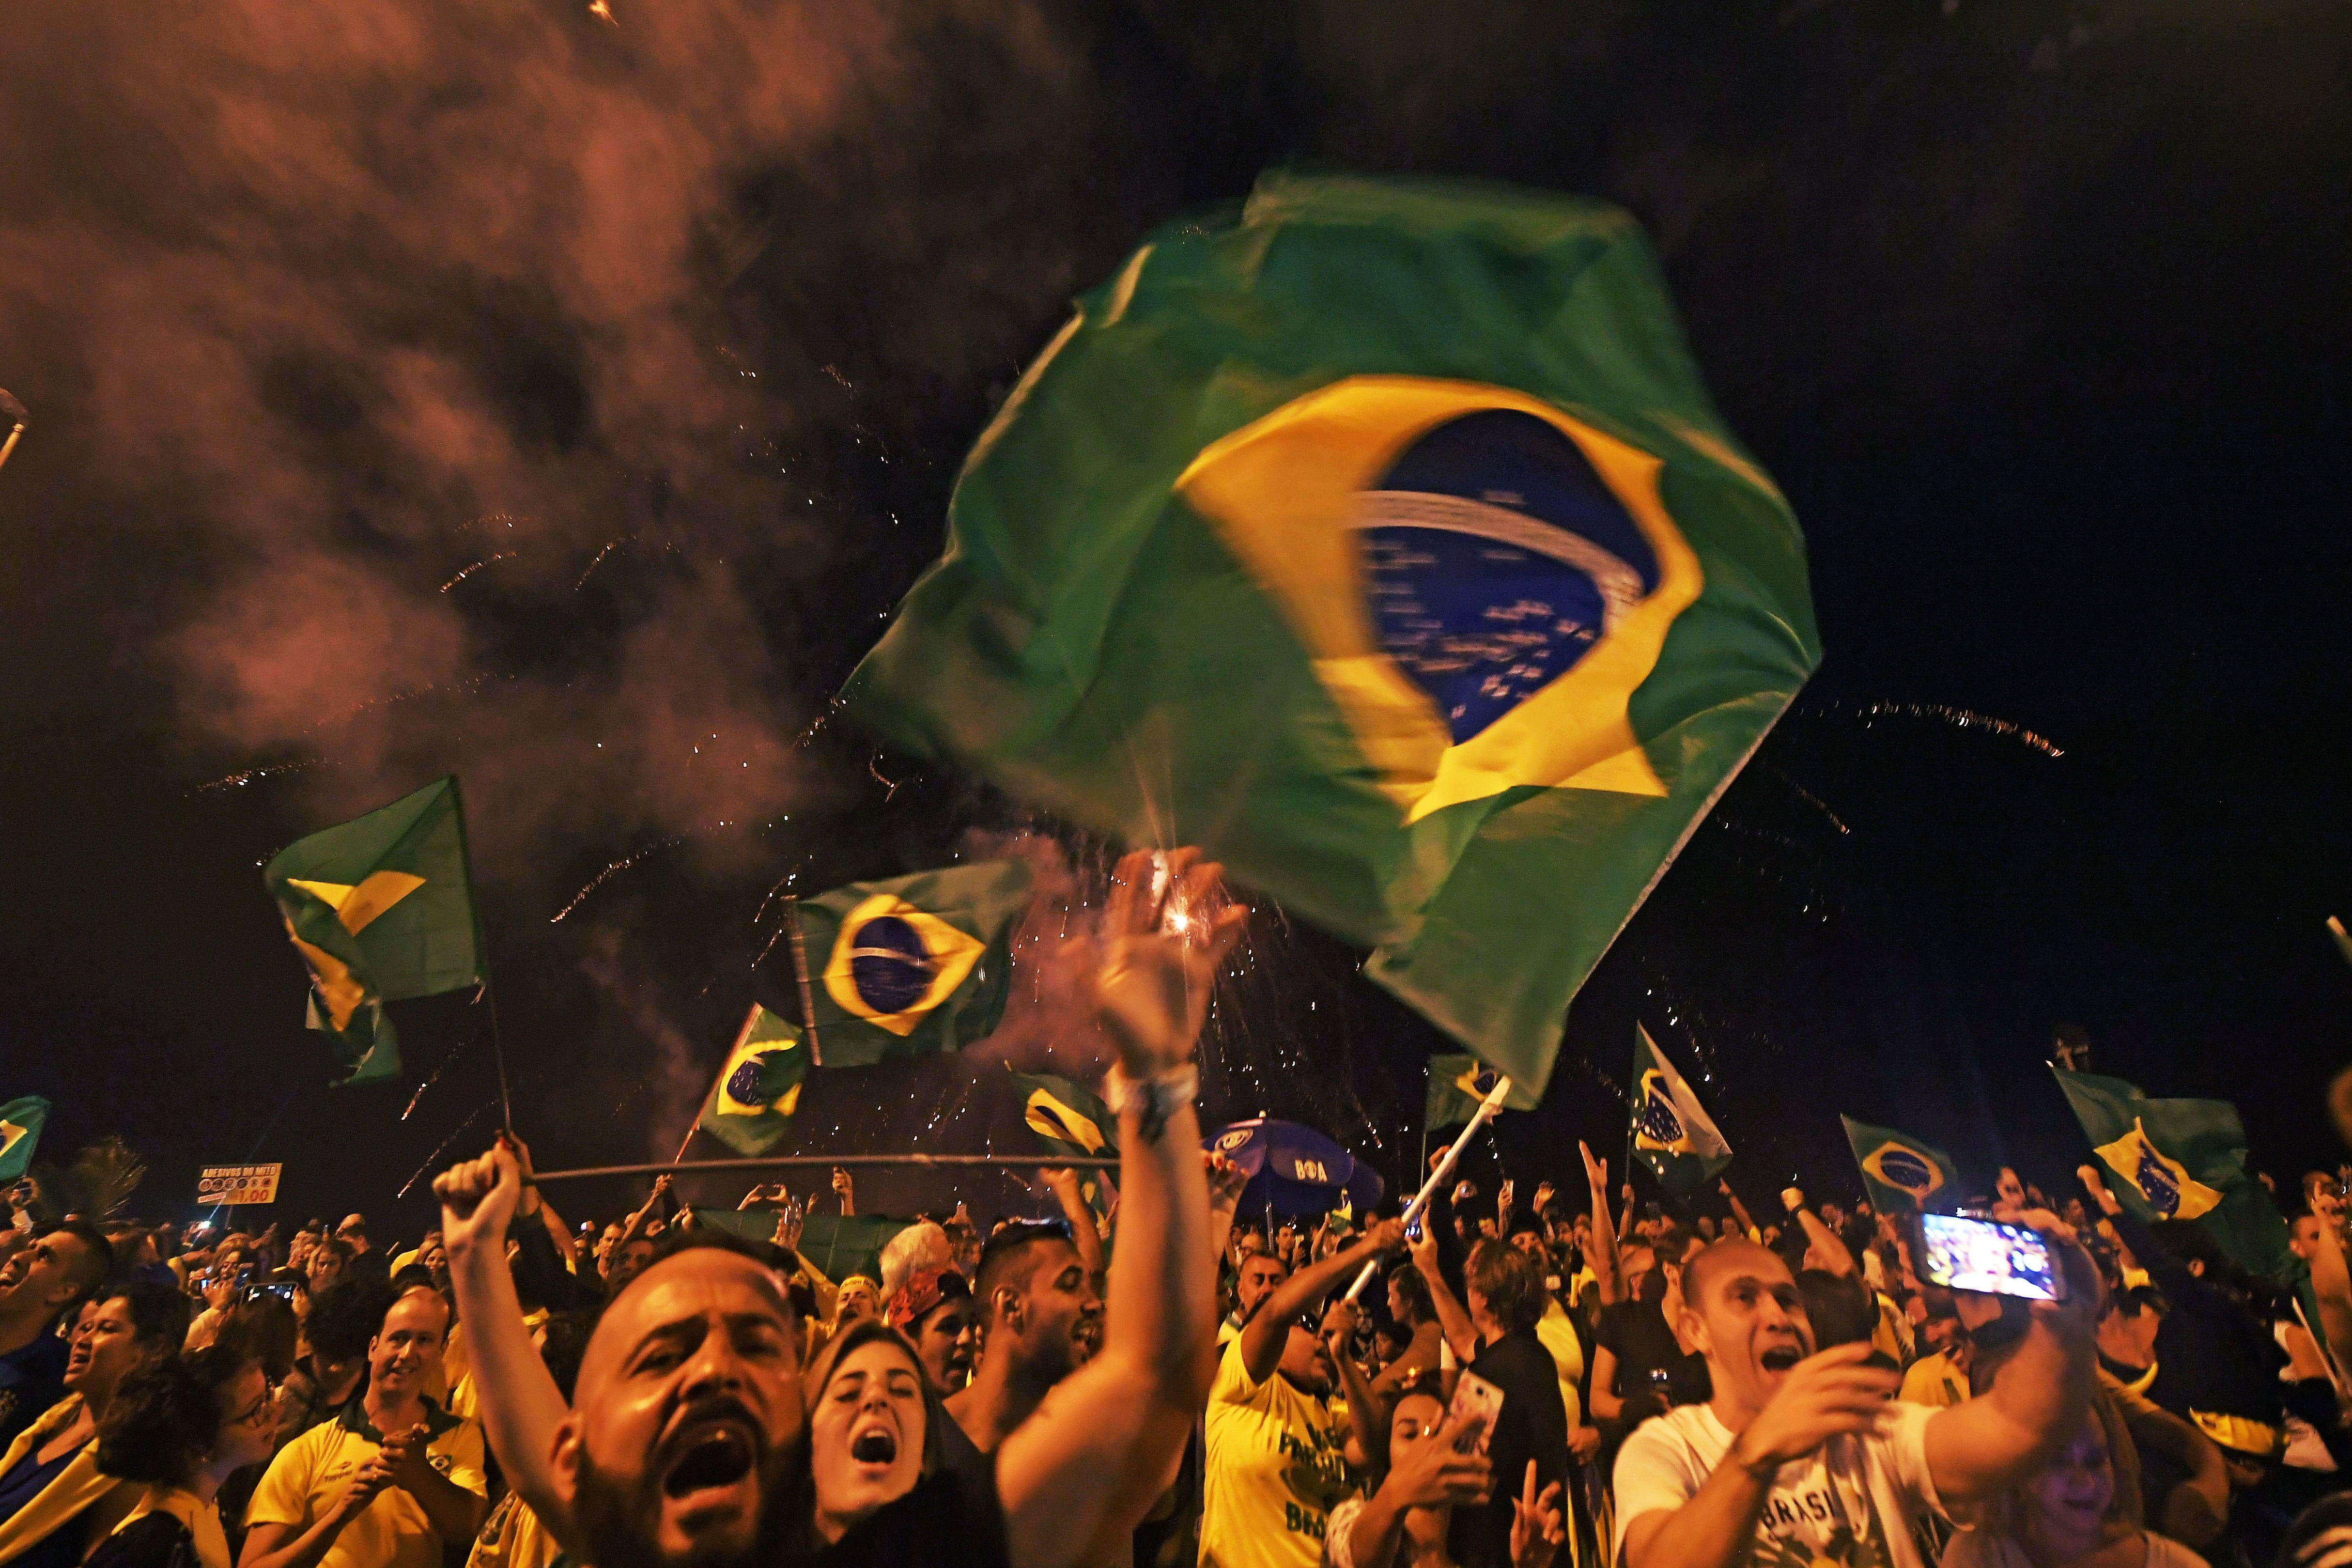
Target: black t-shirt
(951,1520)
(1531,1425)
(1635,1332)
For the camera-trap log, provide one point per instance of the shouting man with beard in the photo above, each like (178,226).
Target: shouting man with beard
(1041,1320)
(690,1441)
(1806,1458)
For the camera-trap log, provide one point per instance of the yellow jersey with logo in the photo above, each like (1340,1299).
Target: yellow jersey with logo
(513,1537)
(1275,1467)
(303,1482)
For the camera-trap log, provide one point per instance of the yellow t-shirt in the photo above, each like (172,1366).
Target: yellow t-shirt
(1935,1381)
(1276,1468)
(1558,1336)
(392,1532)
(513,1537)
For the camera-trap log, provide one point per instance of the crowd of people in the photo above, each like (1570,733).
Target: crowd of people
(1573,1381)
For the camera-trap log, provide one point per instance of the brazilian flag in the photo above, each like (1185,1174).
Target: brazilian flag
(1071,1121)
(380,909)
(1379,537)
(21,1122)
(1901,1170)
(2181,1159)
(752,1104)
(1459,1085)
(1672,1133)
(913,965)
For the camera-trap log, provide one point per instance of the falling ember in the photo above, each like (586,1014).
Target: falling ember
(1964,718)
(603,13)
(476,566)
(250,775)
(613,870)
(610,546)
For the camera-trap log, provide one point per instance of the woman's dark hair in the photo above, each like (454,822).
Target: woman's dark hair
(1508,1279)
(344,1317)
(165,1417)
(263,1329)
(159,1313)
(1838,1306)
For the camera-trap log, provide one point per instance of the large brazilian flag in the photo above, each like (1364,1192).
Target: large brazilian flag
(1381,538)
(916,964)
(2181,1159)
(21,1122)
(1902,1171)
(380,909)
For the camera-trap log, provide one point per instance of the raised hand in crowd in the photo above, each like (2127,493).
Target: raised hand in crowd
(1538,1524)
(845,1189)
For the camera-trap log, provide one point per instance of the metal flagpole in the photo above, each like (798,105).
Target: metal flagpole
(789,1161)
(1487,1109)
(801,969)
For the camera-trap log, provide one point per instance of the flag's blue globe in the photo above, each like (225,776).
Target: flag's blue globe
(1495,558)
(1902,1168)
(743,1083)
(1659,1123)
(2155,1184)
(889,965)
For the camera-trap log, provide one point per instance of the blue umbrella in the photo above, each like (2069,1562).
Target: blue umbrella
(1295,1171)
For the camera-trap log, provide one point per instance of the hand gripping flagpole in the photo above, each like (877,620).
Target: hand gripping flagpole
(1487,1109)
(801,969)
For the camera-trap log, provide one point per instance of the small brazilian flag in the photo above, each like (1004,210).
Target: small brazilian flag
(1459,1085)
(380,909)
(20,1134)
(1673,1134)
(1071,1121)
(752,1104)
(1900,1171)
(914,965)
(2181,1159)
(1379,537)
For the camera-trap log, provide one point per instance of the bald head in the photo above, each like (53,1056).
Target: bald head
(1732,1258)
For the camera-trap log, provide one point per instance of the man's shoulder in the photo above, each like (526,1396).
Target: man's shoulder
(41,1359)
(1687,1438)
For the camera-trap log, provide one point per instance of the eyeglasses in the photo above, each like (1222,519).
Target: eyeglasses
(261,1411)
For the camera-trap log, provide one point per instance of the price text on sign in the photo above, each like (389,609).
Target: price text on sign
(237,1184)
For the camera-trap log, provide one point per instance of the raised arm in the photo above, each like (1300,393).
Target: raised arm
(1087,1464)
(520,1406)
(1748,1224)
(1602,1260)
(1368,1440)
(1979,1447)
(631,1228)
(1263,1336)
(1827,1245)
(2331,1283)
(1451,1320)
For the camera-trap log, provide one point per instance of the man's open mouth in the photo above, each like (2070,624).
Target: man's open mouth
(712,1456)
(1780,1358)
(873,1445)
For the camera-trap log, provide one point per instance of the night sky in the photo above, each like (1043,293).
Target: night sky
(565,405)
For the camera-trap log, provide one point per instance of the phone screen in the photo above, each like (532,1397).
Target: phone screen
(1985,1256)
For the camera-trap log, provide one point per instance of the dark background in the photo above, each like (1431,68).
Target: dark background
(565,404)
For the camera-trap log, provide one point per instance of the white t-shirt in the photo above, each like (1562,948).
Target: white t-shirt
(1985,1549)
(1859,1502)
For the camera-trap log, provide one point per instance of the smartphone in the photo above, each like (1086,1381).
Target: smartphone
(1483,1401)
(1986,1256)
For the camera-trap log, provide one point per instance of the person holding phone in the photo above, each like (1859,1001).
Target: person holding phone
(1808,1457)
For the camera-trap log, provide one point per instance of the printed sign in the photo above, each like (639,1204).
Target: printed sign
(237,1184)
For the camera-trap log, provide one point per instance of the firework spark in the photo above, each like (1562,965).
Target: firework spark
(1964,718)
(615,869)
(476,566)
(610,546)
(431,1158)
(250,775)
